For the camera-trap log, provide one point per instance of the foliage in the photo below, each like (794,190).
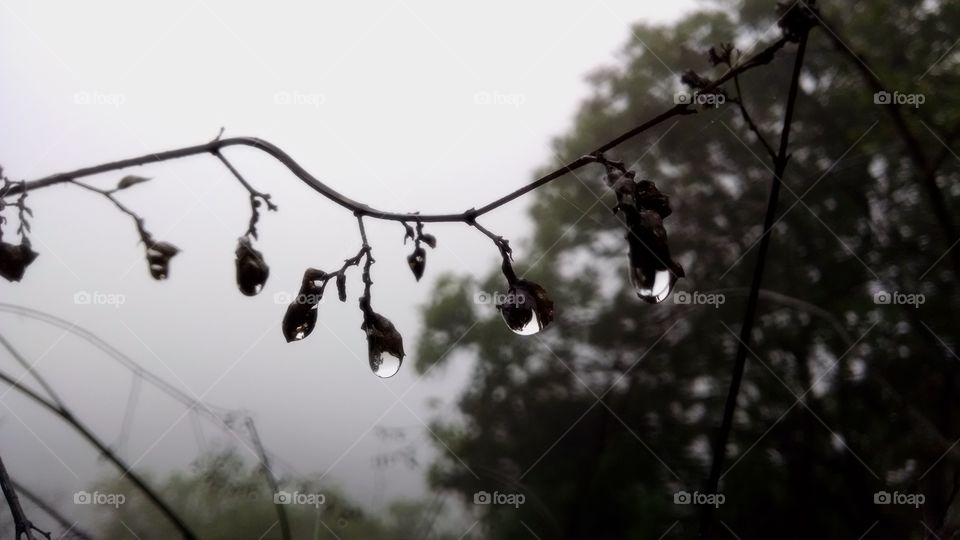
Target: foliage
(602,419)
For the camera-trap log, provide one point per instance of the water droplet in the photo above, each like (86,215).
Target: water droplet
(384,343)
(528,328)
(385,365)
(252,271)
(526,308)
(655,289)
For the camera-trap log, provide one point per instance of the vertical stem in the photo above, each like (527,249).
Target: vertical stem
(746,330)
(268,473)
(22,525)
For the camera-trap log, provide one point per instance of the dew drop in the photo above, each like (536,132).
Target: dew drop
(658,290)
(529,328)
(385,365)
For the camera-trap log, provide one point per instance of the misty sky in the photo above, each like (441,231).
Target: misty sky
(405,105)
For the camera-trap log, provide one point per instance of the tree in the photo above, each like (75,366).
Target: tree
(849,391)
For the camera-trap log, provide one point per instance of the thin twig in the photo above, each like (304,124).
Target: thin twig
(70,529)
(746,329)
(23,527)
(762,57)
(271,479)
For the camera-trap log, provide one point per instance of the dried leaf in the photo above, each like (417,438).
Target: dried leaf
(158,259)
(14,259)
(429,239)
(300,318)
(418,262)
(252,271)
(382,338)
(131,180)
(342,286)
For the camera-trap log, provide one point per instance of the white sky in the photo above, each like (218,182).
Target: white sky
(384,108)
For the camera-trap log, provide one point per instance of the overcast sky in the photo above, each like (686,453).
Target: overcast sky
(403,104)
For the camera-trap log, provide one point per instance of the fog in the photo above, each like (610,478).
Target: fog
(403,105)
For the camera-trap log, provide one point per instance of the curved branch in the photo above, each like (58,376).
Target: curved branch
(762,57)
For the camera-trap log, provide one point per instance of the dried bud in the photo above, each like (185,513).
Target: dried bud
(158,258)
(694,80)
(301,315)
(653,271)
(14,259)
(418,262)
(527,309)
(723,55)
(384,343)
(252,271)
(342,286)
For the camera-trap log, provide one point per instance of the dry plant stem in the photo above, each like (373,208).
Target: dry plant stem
(24,527)
(762,57)
(144,235)
(505,252)
(749,120)
(67,416)
(746,329)
(268,473)
(71,528)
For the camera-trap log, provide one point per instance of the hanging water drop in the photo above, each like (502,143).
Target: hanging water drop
(385,365)
(384,342)
(252,271)
(526,308)
(652,288)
